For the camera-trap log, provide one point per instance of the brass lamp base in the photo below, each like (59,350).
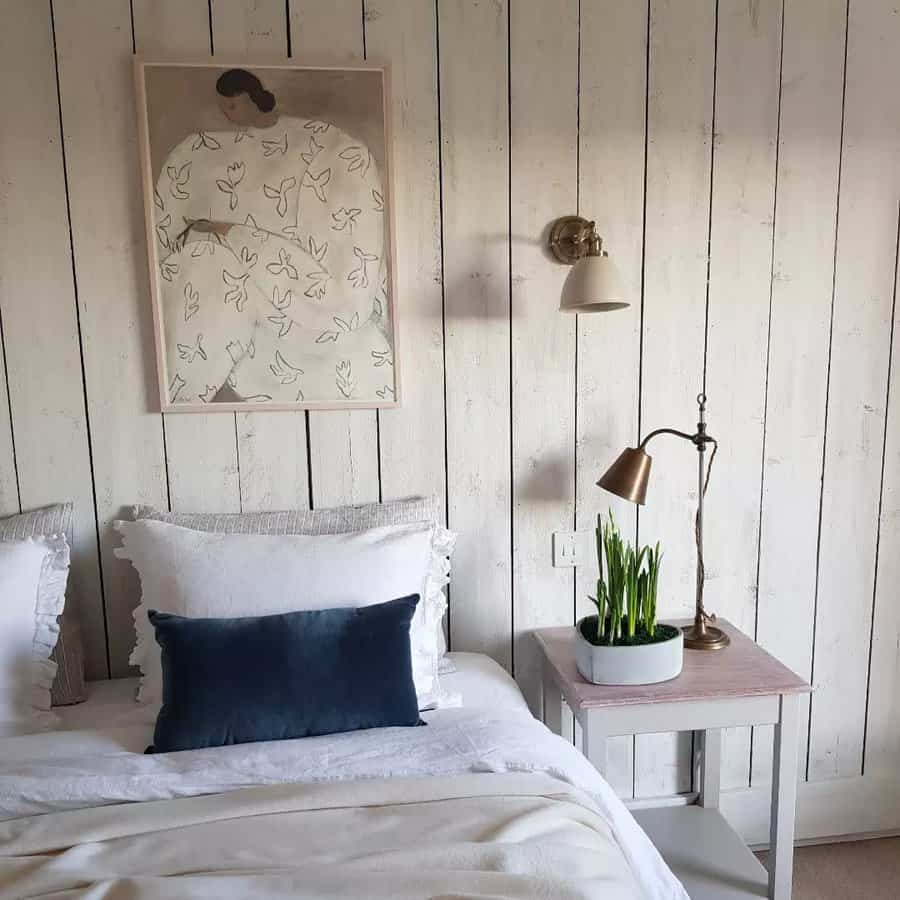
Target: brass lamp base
(701,636)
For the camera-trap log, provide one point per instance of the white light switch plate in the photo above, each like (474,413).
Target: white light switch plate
(565,549)
(571,549)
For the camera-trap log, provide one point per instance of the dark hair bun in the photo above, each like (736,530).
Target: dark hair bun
(264,100)
(240,81)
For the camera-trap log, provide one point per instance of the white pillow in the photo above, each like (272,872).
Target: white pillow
(33,576)
(334,520)
(203,574)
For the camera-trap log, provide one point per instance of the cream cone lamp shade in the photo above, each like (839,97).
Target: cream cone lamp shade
(594,284)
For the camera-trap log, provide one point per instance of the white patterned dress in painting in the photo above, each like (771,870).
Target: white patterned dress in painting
(278,292)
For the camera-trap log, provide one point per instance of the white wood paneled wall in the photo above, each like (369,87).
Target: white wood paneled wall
(742,160)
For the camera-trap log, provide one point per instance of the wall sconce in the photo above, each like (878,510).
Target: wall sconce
(593,285)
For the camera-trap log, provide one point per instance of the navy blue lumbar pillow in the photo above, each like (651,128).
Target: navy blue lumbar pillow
(267,678)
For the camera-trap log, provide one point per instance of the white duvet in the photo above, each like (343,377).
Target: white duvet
(50,773)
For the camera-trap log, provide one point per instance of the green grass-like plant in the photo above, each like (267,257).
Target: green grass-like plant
(627,590)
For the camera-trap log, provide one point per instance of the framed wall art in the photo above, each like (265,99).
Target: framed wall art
(269,229)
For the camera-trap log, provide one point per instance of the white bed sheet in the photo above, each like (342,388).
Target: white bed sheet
(99,759)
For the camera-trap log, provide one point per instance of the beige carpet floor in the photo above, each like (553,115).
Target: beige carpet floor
(858,870)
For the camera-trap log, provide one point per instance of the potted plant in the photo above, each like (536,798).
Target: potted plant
(623,643)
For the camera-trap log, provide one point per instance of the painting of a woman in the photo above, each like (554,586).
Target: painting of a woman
(272,255)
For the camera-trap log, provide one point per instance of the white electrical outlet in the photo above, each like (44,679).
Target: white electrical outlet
(565,549)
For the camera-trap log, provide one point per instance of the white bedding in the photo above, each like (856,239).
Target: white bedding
(103,763)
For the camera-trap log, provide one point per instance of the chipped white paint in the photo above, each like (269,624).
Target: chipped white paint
(743,204)
(526,432)
(43,359)
(543,175)
(475,159)
(93,41)
(682,40)
(860,347)
(412,435)
(611,189)
(812,85)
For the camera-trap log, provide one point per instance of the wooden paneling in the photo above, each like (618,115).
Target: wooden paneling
(94,45)
(705,137)
(611,191)
(860,344)
(544,181)
(343,445)
(743,203)
(249,29)
(9,487)
(882,747)
(412,435)
(43,353)
(475,173)
(679,130)
(326,29)
(812,81)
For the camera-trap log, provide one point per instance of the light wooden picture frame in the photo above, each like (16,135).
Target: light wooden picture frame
(270,234)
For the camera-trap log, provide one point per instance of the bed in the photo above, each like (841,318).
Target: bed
(483,802)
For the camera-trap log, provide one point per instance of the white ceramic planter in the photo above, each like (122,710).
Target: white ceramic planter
(641,664)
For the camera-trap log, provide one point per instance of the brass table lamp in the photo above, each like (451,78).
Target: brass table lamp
(627,478)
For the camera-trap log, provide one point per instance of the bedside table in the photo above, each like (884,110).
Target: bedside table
(740,685)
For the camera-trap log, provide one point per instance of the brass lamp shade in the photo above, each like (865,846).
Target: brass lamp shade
(627,477)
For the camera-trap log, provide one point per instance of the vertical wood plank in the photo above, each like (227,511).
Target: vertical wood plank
(9,486)
(201,449)
(882,747)
(38,311)
(343,444)
(854,440)
(271,446)
(743,202)
(543,183)
(611,191)
(326,30)
(682,41)
(800,323)
(475,174)
(412,435)
(94,43)
(248,29)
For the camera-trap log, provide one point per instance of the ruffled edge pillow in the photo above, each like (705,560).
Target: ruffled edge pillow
(345,520)
(434,568)
(56,519)
(49,601)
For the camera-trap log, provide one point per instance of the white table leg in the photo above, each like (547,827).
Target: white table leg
(551,701)
(784,798)
(710,767)
(593,742)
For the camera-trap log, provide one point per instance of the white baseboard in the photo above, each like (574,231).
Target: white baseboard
(835,810)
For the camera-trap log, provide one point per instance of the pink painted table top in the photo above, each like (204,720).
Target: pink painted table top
(743,669)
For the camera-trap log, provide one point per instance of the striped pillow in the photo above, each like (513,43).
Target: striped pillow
(338,520)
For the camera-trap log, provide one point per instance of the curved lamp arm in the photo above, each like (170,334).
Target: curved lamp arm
(698,437)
